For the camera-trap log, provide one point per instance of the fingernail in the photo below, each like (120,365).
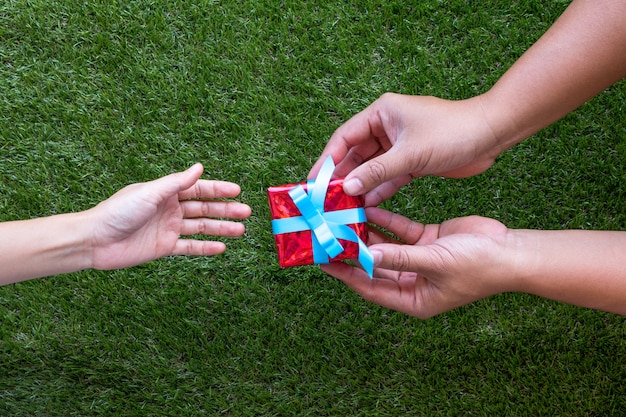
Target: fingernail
(353,186)
(378,256)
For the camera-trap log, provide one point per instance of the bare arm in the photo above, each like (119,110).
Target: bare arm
(139,223)
(438,267)
(583,53)
(398,137)
(44,246)
(581,267)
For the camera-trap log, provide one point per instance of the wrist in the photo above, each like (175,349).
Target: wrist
(522,259)
(506,131)
(505,268)
(82,223)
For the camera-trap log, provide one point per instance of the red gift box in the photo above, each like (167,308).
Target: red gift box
(296,248)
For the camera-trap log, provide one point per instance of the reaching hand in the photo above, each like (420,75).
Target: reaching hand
(436,269)
(401,137)
(144,221)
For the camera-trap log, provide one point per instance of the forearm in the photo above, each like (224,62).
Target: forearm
(583,53)
(43,247)
(584,268)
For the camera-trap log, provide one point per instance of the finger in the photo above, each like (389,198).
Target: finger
(218,209)
(353,277)
(191,247)
(403,227)
(386,167)
(384,292)
(383,273)
(212,227)
(410,258)
(386,190)
(354,132)
(187,177)
(169,185)
(210,189)
(376,236)
(356,156)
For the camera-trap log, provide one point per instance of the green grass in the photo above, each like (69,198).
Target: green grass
(95,96)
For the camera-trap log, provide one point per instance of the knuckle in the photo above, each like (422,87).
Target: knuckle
(377,170)
(217,211)
(205,209)
(189,246)
(356,159)
(401,260)
(414,231)
(202,227)
(387,96)
(197,189)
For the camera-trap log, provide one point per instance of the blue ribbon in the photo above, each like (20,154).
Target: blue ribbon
(326,227)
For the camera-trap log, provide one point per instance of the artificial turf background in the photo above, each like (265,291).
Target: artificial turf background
(96,95)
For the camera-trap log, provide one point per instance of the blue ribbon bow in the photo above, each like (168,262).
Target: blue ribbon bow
(326,227)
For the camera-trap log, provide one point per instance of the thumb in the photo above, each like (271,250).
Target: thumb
(375,172)
(190,176)
(409,258)
(179,181)
(164,187)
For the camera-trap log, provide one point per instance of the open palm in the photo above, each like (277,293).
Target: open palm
(431,268)
(145,221)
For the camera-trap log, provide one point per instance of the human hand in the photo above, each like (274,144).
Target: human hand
(144,221)
(434,268)
(400,137)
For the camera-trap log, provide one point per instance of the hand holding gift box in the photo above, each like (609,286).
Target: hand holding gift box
(316,222)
